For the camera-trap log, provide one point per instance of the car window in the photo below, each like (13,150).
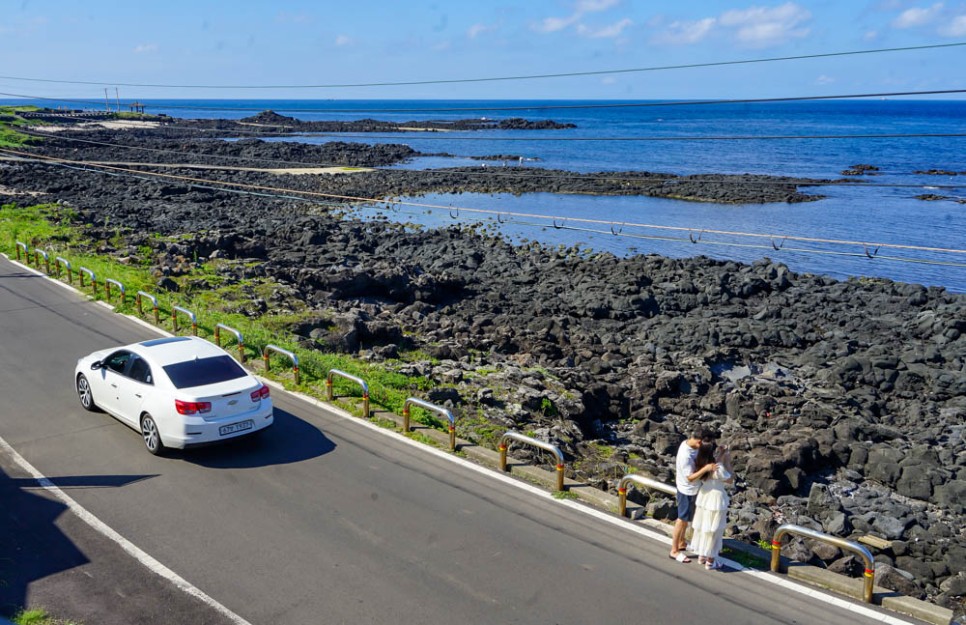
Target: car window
(117,361)
(202,371)
(140,371)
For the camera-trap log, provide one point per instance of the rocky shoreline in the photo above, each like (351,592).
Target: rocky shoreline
(845,402)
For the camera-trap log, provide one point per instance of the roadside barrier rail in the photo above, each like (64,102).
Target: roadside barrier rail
(107,288)
(443,412)
(22,246)
(238,338)
(284,352)
(841,543)
(37,254)
(333,373)
(174,319)
(640,480)
(85,271)
(63,262)
(513,435)
(154,302)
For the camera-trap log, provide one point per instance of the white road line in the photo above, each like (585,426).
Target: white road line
(538,492)
(129,547)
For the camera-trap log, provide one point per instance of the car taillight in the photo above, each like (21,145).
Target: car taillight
(260,393)
(192,407)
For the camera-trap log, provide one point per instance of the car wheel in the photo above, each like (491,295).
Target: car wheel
(85,395)
(152,438)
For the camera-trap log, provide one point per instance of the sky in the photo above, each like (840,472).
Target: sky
(253,43)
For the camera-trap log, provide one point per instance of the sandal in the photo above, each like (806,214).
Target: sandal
(680,557)
(702,560)
(710,565)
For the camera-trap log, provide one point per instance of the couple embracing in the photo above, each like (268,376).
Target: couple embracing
(702,469)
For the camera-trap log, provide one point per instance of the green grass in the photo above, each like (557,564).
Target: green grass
(209,294)
(9,136)
(38,617)
(745,559)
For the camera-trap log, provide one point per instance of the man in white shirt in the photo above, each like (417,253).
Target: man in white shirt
(687,484)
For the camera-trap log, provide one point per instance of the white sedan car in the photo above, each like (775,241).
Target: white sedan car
(178,392)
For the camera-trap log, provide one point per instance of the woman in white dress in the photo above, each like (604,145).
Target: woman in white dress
(711,514)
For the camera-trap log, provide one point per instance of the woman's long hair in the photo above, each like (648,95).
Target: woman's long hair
(705,455)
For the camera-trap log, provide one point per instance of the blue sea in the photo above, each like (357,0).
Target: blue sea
(785,138)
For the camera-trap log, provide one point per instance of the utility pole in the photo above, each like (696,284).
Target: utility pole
(117,96)
(107,101)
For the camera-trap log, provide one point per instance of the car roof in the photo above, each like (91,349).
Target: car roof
(176,349)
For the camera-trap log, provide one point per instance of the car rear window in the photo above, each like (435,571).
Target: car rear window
(204,371)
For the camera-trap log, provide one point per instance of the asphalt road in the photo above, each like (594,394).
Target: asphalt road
(324,521)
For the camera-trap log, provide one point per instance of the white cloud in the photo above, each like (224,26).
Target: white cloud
(870,35)
(762,27)
(956,27)
(595,6)
(917,16)
(478,29)
(293,18)
(343,40)
(608,80)
(824,80)
(686,33)
(146,48)
(581,8)
(607,32)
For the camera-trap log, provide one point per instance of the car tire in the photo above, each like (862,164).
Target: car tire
(151,435)
(85,394)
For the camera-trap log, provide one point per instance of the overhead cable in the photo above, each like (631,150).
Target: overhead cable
(498,78)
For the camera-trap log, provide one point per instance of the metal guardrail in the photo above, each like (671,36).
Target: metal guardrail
(425,405)
(238,338)
(174,319)
(284,352)
(841,543)
(640,480)
(63,262)
(107,289)
(513,435)
(85,271)
(37,254)
(20,245)
(154,302)
(333,373)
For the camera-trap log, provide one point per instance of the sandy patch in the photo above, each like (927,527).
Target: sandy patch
(118,124)
(8,191)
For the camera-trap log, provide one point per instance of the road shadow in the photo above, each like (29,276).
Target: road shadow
(32,547)
(290,439)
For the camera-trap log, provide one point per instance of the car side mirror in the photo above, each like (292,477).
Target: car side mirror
(97,364)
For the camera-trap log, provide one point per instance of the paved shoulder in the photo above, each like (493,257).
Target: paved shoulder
(52,559)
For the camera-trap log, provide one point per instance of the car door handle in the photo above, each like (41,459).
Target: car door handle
(113,385)
(138,395)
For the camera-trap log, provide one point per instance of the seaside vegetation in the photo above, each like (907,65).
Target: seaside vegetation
(10,120)
(206,292)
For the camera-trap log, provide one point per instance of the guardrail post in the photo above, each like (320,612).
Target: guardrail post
(443,412)
(107,289)
(37,254)
(295,360)
(154,301)
(85,270)
(66,263)
(238,337)
(191,316)
(513,435)
(362,383)
(20,245)
(642,481)
(869,574)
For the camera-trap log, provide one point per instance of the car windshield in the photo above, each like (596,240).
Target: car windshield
(204,371)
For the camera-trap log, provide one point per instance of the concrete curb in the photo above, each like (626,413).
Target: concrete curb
(810,575)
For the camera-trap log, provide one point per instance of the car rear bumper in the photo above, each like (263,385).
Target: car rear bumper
(198,434)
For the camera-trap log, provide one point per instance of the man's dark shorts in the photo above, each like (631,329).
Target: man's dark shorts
(686,506)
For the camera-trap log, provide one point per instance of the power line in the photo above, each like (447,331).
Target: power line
(533,107)
(505,214)
(500,78)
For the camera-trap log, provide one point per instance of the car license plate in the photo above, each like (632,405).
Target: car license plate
(236,427)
